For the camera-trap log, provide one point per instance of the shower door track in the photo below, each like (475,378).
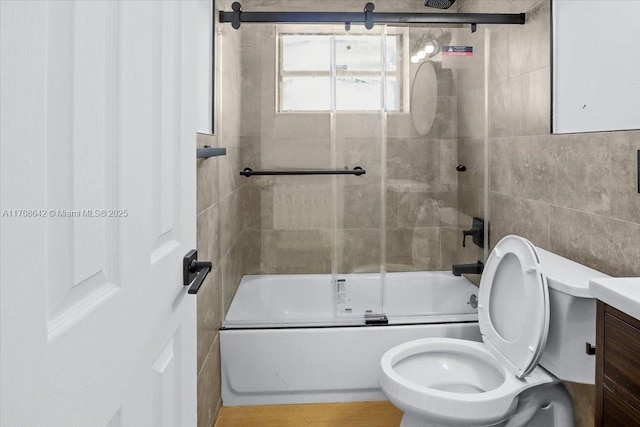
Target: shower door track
(367,17)
(341,326)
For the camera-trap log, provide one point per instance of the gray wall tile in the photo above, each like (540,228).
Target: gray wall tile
(209,387)
(625,199)
(219,220)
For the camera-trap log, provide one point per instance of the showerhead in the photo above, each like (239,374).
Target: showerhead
(439,4)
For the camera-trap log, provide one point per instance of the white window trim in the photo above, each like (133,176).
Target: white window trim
(402,72)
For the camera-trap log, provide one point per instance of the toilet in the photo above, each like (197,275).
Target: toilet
(536,316)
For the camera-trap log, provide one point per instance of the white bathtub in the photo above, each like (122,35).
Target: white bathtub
(291,339)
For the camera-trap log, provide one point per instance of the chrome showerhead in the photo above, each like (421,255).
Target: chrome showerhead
(439,4)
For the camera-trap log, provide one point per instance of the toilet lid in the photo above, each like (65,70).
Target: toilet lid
(513,305)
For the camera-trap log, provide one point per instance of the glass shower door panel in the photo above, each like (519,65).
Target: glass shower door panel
(295,220)
(359,141)
(287,220)
(359,138)
(429,202)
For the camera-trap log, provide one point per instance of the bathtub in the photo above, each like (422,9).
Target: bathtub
(306,339)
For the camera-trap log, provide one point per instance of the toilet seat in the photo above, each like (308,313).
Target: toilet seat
(513,305)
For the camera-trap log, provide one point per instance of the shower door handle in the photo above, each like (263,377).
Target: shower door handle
(194,272)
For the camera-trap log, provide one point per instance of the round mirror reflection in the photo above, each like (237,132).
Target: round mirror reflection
(424,98)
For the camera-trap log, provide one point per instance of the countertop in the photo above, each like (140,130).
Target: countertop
(620,293)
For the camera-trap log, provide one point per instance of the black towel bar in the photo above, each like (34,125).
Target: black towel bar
(357,171)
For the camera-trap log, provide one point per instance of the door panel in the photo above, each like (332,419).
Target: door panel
(80,164)
(98,132)
(166,89)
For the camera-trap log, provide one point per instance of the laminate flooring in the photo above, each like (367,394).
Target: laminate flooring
(370,414)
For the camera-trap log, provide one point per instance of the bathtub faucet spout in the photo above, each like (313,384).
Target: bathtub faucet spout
(475,268)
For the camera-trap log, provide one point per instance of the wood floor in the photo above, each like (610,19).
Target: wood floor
(370,414)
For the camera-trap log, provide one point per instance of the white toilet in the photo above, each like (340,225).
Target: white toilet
(536,315)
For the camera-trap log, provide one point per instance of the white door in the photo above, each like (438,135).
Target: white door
(97,196)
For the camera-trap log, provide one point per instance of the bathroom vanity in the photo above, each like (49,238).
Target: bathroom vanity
(618,347)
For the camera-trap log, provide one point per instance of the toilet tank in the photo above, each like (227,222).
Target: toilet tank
(572,319)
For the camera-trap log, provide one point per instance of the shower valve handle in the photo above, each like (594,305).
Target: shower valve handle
(466,233)
(476,232)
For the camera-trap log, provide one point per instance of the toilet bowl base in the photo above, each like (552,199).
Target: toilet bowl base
(548,405)
(410,420)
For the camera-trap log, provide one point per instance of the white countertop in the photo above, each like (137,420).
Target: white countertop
(620,293)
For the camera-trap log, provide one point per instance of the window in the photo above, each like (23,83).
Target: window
(327,72)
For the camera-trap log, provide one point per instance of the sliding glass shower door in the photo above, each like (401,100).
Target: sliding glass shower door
(359,138)
(311,191)
(353,139)
(365,86)
(436,178)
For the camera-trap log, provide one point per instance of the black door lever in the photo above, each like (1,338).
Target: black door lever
(194,271)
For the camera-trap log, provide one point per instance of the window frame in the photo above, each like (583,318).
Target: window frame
(401,73)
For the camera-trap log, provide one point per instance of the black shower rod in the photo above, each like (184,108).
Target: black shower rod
(367,17)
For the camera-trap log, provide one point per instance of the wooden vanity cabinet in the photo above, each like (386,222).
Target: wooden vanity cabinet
(617,368)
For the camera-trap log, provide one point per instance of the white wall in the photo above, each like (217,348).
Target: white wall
(205,92)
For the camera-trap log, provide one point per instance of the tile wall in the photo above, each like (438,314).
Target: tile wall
(573,194)
(288,221)
(218,221)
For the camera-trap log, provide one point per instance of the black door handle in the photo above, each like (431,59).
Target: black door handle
(194,272)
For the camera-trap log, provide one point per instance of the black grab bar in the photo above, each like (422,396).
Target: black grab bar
(357,171)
